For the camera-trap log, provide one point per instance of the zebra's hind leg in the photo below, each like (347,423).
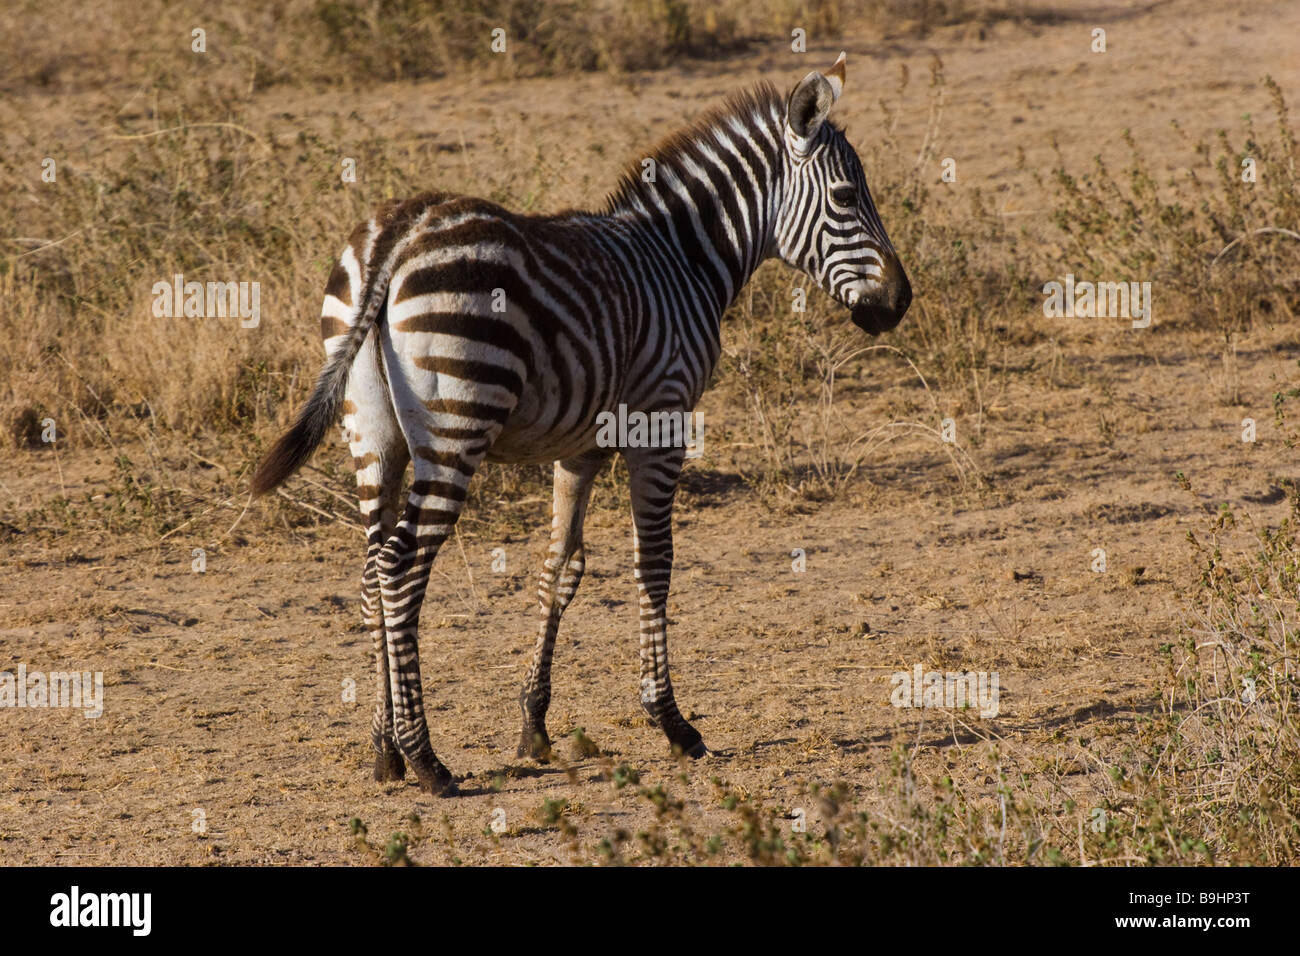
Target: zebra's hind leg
(560,575)
(381,520)
(654,473)
(380,458)
(443,468)
(389,765)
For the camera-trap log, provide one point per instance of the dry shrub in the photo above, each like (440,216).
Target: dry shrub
(1220,252)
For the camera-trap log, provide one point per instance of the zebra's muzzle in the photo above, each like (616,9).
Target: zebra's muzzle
(880,305)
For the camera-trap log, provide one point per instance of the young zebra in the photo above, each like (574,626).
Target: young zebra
(458,332)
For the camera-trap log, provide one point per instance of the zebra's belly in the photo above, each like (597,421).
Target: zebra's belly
(527,446)
(538,430)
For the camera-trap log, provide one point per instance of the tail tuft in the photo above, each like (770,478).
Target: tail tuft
(296,445)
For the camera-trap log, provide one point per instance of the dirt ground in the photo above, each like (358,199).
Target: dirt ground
(225,689)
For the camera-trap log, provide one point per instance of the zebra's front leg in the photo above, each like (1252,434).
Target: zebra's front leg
(561,573)
(654,473)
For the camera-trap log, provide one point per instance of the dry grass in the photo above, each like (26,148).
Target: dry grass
(195,184)
(67,45)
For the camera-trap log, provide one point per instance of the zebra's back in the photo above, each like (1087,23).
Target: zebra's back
(492,318)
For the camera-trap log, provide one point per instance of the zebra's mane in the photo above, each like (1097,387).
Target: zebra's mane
(760,100)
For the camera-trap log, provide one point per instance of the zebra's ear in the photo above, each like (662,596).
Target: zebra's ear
(809,104)
(835,76)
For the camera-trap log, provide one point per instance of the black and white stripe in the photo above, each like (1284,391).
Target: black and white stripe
(457,332)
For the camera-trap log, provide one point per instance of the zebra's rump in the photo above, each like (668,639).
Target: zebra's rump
(491,328)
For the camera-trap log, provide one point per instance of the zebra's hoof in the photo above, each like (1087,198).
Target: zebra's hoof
(695,751)
(534,745)
(437,780)
(389,766)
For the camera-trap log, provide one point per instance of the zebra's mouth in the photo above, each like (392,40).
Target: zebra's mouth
(873,318)
(882,304)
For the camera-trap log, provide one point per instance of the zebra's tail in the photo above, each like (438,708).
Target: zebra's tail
(315,418)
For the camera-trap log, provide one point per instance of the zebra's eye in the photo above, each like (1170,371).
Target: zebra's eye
(844,196)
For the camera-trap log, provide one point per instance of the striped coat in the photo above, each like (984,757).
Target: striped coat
(457,332)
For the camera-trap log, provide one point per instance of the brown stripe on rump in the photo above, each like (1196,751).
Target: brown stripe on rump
(476,410)
(487,232)
(395,220)
(331,326)
(472,273)
(478,328)
(340,284)
(361,234)
(484,373)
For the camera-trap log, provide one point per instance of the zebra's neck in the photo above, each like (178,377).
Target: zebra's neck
(702,204)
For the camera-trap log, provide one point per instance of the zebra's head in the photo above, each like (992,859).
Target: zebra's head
(827,225)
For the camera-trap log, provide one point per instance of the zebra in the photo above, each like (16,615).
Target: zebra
(457,332)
